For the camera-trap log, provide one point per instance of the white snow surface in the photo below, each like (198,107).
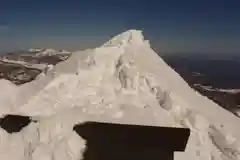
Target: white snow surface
(123,81)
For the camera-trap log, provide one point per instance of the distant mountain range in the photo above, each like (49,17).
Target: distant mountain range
(24,66)
(218,79)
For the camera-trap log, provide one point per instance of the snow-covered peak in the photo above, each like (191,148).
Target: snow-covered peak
(46,52)
(42,50)
(51,52)
(127,37)
(113,84)
(35,49)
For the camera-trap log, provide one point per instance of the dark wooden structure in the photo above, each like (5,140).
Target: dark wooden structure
(106,141)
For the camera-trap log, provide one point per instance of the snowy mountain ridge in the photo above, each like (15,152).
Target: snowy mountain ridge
(111,83)
(51,52)
(28,55)
(210,88)
(23,66)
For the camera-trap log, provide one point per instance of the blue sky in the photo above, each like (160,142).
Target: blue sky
(188,26)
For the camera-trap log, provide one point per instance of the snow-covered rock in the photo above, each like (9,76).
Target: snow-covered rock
(122,81)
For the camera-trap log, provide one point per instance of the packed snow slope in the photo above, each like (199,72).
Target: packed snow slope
(122,81)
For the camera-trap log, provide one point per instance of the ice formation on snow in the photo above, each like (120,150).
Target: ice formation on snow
(111,83)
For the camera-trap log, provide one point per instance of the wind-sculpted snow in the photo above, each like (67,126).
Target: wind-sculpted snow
(123,81)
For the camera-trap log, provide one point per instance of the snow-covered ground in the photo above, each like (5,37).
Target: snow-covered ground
(123,81)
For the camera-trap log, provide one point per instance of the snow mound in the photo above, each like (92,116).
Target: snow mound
(123,81)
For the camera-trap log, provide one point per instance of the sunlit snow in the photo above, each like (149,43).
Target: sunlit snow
(122,81)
